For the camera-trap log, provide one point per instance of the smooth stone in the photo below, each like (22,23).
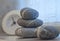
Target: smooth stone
(47,32)
(26,32)
(29,13)
(30,23)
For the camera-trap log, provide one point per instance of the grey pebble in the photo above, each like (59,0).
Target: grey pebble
(30,23)
(26,32)
(47,32)
(29,13)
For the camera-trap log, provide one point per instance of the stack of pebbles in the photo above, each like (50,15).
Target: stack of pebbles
(28,23)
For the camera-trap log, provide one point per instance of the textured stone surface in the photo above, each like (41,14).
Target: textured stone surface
(47,32)
(29,13)
(26,32)
(30,23)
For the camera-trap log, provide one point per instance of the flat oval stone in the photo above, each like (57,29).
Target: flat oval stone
(30,23)
(26,32)
(47,32)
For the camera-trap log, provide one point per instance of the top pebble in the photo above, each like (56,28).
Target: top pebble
(29,13)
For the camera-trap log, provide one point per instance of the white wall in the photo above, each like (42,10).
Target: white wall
(49,10)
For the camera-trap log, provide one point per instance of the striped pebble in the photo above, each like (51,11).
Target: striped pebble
(47,32)
(30,23)
(26,32)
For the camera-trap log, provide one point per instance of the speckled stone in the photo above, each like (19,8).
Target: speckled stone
(47,32)
(30,23)
(26,32)
(29,13)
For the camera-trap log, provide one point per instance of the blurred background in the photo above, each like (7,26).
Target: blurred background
(49,10)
